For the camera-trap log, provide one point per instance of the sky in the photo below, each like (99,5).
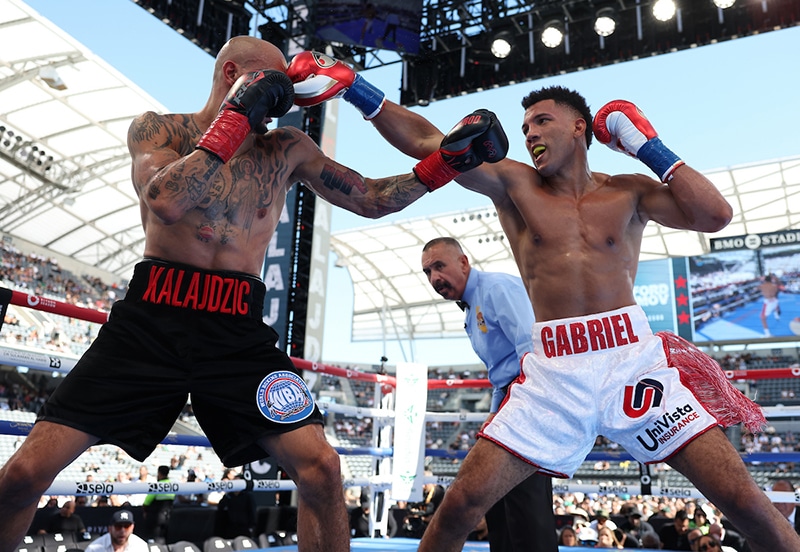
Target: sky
(716,106)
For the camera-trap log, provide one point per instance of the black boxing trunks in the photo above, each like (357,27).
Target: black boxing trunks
(181,330)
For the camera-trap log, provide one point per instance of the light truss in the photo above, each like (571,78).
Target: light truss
(454,56)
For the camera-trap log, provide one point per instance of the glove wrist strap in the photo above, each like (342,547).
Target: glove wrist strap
(434,172)
(365,97)
(659,158)
(228,131)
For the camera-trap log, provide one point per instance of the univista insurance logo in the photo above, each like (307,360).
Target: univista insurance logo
(668,426)
(646,395)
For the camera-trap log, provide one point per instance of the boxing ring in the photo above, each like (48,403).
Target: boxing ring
(397,471)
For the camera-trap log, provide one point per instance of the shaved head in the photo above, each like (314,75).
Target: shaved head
(249,54)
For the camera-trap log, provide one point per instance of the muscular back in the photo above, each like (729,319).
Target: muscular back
(199,211)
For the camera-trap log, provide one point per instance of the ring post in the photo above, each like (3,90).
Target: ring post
(408,460)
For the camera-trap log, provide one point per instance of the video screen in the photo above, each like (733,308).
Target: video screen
(746,294)
(654,291)
(385,24)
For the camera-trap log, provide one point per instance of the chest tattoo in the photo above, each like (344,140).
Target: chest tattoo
(248,190)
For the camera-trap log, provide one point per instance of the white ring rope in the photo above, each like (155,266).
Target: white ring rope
(378,483)
(388,414)
(356,411)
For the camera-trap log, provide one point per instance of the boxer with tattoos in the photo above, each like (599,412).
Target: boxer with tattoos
(212,186)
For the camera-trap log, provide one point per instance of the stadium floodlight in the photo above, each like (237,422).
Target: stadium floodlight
(664,10)
(553,34)
(604,23)
(502,45)
(722,4)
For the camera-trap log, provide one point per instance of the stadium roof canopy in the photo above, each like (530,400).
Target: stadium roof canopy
(392,297)
(64,164)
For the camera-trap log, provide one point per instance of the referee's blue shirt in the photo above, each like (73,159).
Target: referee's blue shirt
(499,319)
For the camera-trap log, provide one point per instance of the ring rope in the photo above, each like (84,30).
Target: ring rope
(23,428)
(54,306)
(92,315)
(68,488)
(465,383)
(377,483)
(356,411)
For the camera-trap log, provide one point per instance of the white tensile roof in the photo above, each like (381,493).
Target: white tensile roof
(76,197)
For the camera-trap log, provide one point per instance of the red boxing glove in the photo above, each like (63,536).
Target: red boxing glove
(478,137)
(318,78)
(253,98)
(623,127)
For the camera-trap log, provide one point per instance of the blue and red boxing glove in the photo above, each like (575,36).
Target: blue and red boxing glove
(318,77)
(477,138)
(253,98)
(623,127)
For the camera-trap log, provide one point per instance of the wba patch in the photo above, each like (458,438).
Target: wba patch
(284,397)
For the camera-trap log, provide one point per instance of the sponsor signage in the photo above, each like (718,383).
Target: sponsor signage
(667,426)
(277,270)
(755,241)
(657,290)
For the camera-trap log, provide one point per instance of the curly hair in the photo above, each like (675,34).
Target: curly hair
(563,96)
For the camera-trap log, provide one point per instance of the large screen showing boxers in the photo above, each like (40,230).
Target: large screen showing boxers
(747,288)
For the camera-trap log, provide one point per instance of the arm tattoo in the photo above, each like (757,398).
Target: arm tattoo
(154,191)
(212,164)
(275,167)
(195,188)
(344,181)
(148,128)
(177,182)
(396,192)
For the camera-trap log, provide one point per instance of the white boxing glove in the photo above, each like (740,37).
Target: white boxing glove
(623,127)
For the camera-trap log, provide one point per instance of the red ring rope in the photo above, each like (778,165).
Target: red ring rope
(92,315)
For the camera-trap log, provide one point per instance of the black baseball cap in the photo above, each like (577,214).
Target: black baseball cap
(122,516)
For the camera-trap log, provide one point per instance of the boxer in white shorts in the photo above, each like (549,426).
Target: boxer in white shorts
(660,394)
(576,236)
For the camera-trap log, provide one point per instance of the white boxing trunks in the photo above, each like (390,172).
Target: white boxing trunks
(608,374)
(770,305)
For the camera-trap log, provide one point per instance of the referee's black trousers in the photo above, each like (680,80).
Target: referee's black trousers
(523,520)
